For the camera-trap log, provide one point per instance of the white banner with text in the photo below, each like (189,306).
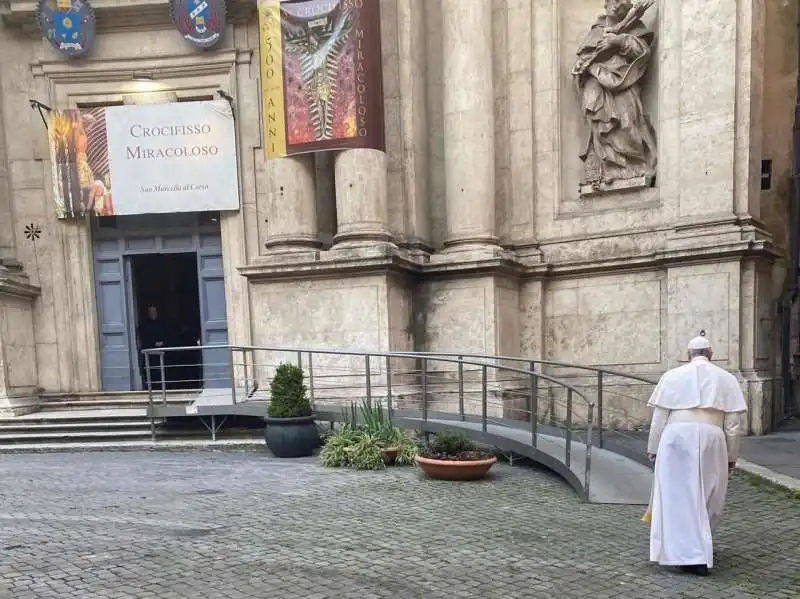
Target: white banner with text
(148,159)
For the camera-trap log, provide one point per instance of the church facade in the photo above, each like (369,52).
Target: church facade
(573,180)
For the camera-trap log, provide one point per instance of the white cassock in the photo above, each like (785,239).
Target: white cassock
(694,434)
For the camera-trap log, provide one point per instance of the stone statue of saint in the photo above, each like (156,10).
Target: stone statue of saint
(620,151)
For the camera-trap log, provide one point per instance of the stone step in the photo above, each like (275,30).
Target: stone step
(32,439)
(101,424)
(103,404)
(132,445)
(49,415)
(67,435)
(7,427)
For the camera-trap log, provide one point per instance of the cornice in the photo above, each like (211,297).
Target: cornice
(310,265)
(661,259)
(218,62)
(16,286)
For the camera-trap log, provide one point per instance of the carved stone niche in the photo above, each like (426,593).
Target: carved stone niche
(619,151)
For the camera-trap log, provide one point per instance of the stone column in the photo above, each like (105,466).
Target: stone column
(468,122)
(292,206)
(361,191)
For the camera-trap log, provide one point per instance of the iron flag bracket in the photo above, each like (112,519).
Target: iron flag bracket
(41,108)
(229,98)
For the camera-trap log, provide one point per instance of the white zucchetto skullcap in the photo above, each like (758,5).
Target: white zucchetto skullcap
(699,342)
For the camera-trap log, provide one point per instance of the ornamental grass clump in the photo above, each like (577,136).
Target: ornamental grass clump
(367,446)
(289,398)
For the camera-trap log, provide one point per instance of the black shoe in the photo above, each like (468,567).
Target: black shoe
(697,570)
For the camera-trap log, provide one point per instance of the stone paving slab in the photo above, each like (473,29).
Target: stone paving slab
(778,451)
(242,525)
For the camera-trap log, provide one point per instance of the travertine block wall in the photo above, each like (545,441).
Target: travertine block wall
(469,233)
(613,320)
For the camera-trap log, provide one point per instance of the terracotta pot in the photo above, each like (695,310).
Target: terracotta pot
(390,455)
(452,470)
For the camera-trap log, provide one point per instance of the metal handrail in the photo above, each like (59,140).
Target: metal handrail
(530,374)
(600,371)
(451,358)
(597,369)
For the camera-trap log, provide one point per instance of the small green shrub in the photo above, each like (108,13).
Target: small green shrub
(451,443)
(288,393)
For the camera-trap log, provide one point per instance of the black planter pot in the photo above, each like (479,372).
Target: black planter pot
(291,437)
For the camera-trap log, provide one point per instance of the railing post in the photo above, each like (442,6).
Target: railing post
(148,375)
(568,449)
(368,376)
(150,396)
(311,376)
(233,375)
(254,367)
(484,398)
(163,378)
(424,391)
(461,388)
(600,407)
(588,472)
(300,359)
(389,387)
(534,406)
(246,367)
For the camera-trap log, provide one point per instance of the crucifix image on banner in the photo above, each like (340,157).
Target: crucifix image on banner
(321,75)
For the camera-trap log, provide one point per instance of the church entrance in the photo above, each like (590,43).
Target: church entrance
(166,308)
(160,283)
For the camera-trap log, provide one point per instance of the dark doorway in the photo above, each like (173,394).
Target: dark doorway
(167,304)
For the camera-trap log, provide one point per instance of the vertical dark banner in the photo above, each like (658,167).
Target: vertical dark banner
(321,75)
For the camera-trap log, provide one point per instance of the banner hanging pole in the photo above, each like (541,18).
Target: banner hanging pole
(36,105)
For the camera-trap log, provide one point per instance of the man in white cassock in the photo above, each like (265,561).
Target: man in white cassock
(694,440)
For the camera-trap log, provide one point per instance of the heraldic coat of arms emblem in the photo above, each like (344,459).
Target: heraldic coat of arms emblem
(69,25)
(200,22)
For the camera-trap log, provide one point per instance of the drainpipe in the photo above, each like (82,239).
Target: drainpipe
(790,296)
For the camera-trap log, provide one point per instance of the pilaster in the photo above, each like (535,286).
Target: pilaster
(18,371)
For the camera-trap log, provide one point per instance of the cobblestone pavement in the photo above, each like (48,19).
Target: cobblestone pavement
(240,525)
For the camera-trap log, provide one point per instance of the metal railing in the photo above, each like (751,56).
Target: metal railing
(477,394)
(602,375)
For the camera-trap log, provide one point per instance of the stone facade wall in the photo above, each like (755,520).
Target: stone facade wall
(469,234)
